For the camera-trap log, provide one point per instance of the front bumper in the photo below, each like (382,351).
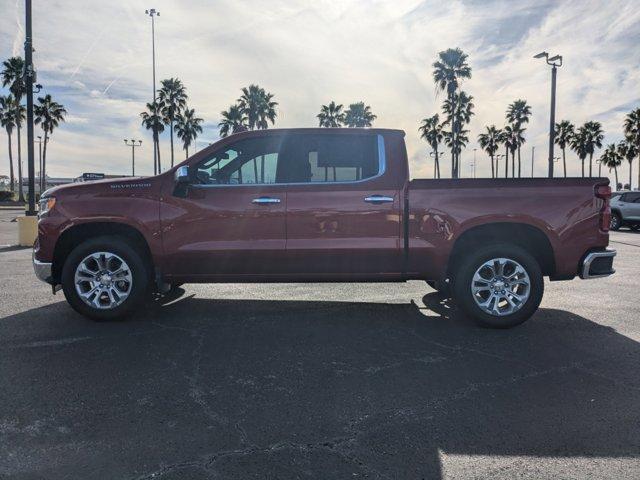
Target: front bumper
(597,264)
(42,270)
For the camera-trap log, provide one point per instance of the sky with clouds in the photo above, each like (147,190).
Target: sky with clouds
(95,58)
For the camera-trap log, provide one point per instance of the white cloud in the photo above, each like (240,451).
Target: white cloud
(95,57)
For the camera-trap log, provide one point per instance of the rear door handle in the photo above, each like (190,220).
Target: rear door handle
(265,200)
(378,199)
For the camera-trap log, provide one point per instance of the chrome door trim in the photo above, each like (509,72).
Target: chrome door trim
(265,200)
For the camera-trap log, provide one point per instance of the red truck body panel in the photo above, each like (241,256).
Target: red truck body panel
(325,231)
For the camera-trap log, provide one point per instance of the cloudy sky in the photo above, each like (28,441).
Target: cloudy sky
(95,58)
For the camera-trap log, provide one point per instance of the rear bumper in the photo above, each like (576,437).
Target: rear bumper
(42,270)
(597,264)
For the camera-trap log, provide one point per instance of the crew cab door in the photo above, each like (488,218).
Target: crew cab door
(343,211)
(232,219)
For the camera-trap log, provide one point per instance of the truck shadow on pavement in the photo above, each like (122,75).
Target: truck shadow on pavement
(194,388)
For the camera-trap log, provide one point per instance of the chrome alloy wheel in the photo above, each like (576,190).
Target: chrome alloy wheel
(500,286)
(103,280)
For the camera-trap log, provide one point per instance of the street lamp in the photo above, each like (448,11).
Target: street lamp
(152,13)
(133,146)
(555,62)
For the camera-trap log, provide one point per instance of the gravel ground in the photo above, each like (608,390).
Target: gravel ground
(320,381)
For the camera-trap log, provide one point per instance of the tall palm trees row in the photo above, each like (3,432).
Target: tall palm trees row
(254,110)
(357,115)
(170,109)
(627,149)
(47,113)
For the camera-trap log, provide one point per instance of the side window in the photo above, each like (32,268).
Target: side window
(325,158)
(251,161)
(633,197)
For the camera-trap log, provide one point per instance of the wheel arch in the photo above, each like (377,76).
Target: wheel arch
(79,233)
(524,235)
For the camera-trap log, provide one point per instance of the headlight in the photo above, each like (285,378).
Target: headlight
(46,204)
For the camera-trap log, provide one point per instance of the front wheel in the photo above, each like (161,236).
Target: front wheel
(500,286)
(104,278)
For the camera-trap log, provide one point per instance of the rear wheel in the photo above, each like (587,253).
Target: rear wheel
(635,227)
(616,221)
(104,278)
(500,286)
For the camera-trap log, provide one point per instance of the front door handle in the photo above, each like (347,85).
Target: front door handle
(265,200)
(376,199)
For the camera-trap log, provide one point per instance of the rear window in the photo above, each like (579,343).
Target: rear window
(323,158)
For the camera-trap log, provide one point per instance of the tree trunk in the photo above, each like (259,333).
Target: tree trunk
(564,162)
(186,150)
(43,173)
(506,163)
(20,191)
(519,165)
(582,167)
(590,165)
(453,137)
(171,132)
(497,170)
(12,180)
(630,169)
(157,140)
(638,146)
(513,164)
(615,170)
(493,175)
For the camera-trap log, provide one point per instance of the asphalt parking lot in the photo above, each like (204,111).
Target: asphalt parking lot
(320,381)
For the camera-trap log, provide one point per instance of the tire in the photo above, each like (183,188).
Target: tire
(119,295)
(635,227)
(528,285)
(616,221)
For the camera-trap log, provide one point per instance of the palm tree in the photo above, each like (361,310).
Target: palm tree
(579,144)
(152,120)
(258,107)
(448,72)
(233,121)
(628,150)
(8,122)
(12,76)
(331,115)
(518,113)
(594,138)
(460,142)
(461,106)
(48,114)
(431,131)
(632,131)
(173,97)
(490,142)
(512,137)
(359,115)
(188,127)
(611,158)
(563,135)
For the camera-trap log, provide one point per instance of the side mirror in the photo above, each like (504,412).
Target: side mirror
(182,175)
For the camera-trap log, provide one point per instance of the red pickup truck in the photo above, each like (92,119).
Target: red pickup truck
(320,205)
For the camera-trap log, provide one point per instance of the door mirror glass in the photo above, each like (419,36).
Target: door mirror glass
(182,175)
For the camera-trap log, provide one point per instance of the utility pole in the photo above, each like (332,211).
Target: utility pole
(29,75)
(133,146)
(152,13)
(555,62)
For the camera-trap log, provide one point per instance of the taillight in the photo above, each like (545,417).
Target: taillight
(604,192)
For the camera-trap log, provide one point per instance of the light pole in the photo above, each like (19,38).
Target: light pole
(152,13)
(133,146)
(533,150)
(474,162)
(29,79)
(40,161)
(555,62)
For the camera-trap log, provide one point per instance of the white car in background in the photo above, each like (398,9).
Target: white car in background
(625,210)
